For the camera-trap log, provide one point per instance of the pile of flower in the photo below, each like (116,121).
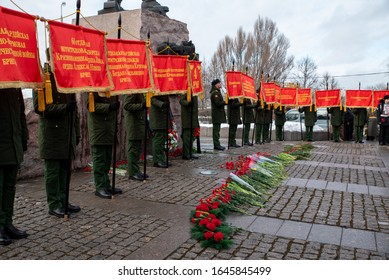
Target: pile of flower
(248,184)
(120,168)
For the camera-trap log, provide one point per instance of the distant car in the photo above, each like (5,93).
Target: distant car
(293,115)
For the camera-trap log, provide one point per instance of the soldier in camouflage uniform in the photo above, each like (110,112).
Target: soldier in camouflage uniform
(53,136)
(336,121)
(134,112)
(187,135)
(279,122)
(310,118)
(233,111)
(218,113)
(158,113)
(360,119)
(13,139)
(101,130)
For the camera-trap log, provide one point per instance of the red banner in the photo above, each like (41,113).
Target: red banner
(328,98)
(20,64)
(304,97)
(128,63)
(288,97)
(268,92)
(277,93)
(248,87)
(171,73)
(359,98)
(378,95)
(78,58)
(195,77)
(234,84)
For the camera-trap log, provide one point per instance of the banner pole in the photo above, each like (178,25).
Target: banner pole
(70,134)
(116,125)
(328,119)
(191,126)
(244,120)
(146,127)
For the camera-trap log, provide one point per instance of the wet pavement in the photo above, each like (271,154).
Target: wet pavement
(333,206)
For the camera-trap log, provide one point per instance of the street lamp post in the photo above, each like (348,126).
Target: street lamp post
(62,4)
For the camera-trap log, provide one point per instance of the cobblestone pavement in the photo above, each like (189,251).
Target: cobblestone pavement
(333,206)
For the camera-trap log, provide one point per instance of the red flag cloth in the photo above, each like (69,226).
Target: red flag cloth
(277,93)
(328,98)
(304,97)
(171,73)
(19,58)
(359,98)
(288,97)
(196,81)
(234,84)
(78,58)
(268,92)
(248,87)
(128,63)
(378,95)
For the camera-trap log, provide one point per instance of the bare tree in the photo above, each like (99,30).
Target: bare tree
(263,51)
(328,82)
(305,74)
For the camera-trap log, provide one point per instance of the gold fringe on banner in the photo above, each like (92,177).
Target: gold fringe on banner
(269,107)
(262,104)
(188,95)
(107,94)
(201,96)
(226,98)
(310,108)
(41,100)
(148,99)
(48,89)
(241,100)
(91,107)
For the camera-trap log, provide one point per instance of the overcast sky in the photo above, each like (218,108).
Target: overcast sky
(343,37)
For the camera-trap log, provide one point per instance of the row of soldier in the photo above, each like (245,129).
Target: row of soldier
(54,132)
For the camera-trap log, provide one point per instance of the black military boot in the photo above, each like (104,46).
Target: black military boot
(4,238)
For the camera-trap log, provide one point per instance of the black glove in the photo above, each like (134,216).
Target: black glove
(71,107)
(144,107)
(114,106)
(24,145)
(165,105)
(190,104)
(78,140)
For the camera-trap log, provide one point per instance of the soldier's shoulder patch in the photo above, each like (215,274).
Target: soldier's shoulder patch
(216,96)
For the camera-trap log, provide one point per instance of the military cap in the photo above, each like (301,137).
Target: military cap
(215,82)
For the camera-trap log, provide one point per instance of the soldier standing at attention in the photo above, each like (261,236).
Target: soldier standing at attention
(233,111)
(248,119)
(188,107)
(158,114)
(101,130)
(134,113)
(53,137)
(279,122)
(13,139)
(360,119)
(336,121)
(259,122)
(310,117)
(268,119)
(218,113)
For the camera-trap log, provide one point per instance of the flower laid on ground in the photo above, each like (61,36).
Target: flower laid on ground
(120,168)
(301,152)
(248,184)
